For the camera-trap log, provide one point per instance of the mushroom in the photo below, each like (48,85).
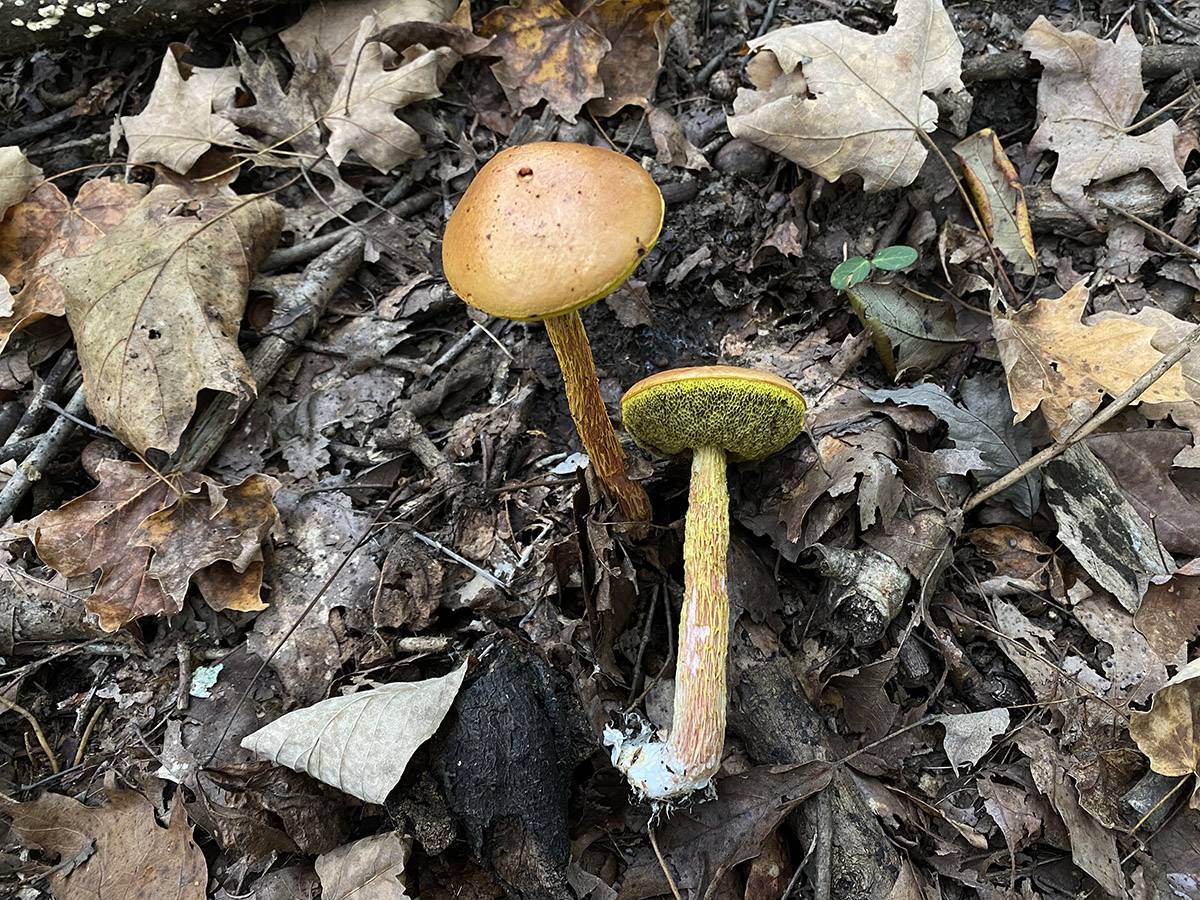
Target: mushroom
(716,413)
(544,230)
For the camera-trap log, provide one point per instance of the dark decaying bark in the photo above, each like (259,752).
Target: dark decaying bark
(505,766)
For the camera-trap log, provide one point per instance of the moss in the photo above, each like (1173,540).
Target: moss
(747,418)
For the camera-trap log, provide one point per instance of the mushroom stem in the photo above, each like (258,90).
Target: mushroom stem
(698,726)
(591,417)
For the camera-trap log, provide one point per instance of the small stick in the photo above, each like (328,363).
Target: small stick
(1157,232)
(1135,390)
(47,448)
(662,862)
(37,730)
(87,735)
(49,389)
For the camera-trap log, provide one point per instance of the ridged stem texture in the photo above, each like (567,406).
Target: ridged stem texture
(698,729)
(591,417)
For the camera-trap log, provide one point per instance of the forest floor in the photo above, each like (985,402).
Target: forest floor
(931,694)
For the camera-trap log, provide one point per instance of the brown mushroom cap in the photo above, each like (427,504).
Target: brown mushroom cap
(548,228)
(748,413)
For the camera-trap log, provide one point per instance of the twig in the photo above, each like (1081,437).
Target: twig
(662,862)
(1181,24)
(307,301)
(767,19)
(47,448)
(1157,232)
(87,735)
(457,557)
(1158,61)
(1135,390)
(63,366)
(37,730)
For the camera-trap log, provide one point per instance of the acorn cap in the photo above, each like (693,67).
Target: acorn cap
(748,413)
(547,228)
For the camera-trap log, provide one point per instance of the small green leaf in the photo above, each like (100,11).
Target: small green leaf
(892,259)
(850,273)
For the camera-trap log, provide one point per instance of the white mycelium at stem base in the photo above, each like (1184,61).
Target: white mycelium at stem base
(690,757)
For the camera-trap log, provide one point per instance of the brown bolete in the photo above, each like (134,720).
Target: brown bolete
(544,230)
(715,413)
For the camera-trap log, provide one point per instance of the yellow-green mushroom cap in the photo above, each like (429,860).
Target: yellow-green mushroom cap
(547,228)
(748,413)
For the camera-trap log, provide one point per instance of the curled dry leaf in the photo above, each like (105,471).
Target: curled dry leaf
(118,850)
(362,115)
(1089,94)
(47,227)
(149,535)
(18,176)
(370,869)
(999,198)
(361,743)
(1063,362)
(180,121)
(970,735)
(331,29)
(838,101)
(606,54)
(155,307)
(1169,733)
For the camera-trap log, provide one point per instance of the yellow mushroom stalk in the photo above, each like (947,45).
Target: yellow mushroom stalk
(544,230)
(717,413)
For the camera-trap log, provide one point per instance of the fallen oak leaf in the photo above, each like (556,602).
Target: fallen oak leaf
(838,101)
(179,122)
(368,869)
(155,307)
(1089,94)
(1169,733)
(999,198)
(133,855)
(360,743)
(104,530)
(362,115)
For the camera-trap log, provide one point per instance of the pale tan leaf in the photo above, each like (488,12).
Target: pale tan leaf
(970,735)
(999,198)
(1089,93)
(330,27)
(370,869)
(17,177)
(119,849)
(361,743)
(362,115)
(1169,733)
(180,121)
(155,307)
(837,101)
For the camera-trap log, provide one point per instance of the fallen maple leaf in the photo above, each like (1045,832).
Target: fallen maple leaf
(155,307)
(836,101)
(637,33)
(148,535)
(180,122)
(1063,363)
(119,850)
(362,115)
(1088,96)
(360,743)
(1169,733)
(46,227)
(369,869)
(999,198)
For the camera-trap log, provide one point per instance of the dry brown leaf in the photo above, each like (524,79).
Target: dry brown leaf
(45,228)
(836,101)
(330,27)
(180,122)
(369,869)
(1169,734)
(1015,553)
(155,307)
(547,52)
(999,198)
(1064,363)
(362,115)
(673,146)
(637,31)
(121,851)
(970,735)
(360,743)
(1169,617)
(148,536)
(18,176)
(1089,94)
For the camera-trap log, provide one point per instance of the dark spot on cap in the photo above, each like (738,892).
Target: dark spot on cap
(524,172)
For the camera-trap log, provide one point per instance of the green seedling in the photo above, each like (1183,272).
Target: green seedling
(856,269)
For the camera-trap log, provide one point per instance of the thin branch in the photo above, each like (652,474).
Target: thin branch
(37,730)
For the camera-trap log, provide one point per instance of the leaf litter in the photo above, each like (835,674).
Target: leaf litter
(368,636)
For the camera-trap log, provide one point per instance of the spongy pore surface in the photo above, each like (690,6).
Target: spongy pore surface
(748,413)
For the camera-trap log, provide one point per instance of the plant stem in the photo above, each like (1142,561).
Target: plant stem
(591,417)
(698,726)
